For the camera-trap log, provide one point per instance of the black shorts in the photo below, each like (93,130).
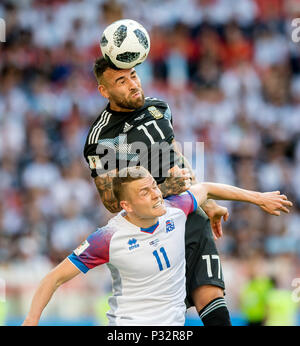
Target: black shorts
(203,265)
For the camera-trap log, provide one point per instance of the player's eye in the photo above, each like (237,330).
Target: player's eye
(121,81)
(133,75)
(154,184)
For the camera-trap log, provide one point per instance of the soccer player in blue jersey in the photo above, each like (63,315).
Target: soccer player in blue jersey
(143,246)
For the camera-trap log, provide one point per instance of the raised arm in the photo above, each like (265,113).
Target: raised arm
(271,202)
(64,272)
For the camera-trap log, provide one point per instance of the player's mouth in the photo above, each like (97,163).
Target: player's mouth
(158,204)
(136,94)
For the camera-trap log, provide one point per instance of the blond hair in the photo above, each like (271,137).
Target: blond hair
(127,175)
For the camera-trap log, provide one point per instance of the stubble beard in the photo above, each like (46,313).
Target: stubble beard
(131,105)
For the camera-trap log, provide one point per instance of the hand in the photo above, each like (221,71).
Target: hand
(215,213)
(273,202)
(179,181)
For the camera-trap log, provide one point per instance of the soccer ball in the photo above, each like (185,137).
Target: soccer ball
(125,43)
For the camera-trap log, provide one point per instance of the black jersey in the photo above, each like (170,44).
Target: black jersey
(142,137)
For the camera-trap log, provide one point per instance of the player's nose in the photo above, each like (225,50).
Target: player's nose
(133,84)
(156,193)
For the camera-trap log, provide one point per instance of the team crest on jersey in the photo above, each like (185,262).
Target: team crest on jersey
(155,112)
(133,244)
(170,226)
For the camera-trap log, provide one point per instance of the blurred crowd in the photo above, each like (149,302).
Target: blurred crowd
(230,72)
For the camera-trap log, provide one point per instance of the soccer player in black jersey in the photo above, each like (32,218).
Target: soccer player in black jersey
(134,130)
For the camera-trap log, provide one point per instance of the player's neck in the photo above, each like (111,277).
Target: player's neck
(141,222)
(115,108)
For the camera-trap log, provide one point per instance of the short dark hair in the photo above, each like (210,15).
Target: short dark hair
(101,65)
(127,175)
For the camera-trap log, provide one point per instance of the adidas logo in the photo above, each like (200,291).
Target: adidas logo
(127,127)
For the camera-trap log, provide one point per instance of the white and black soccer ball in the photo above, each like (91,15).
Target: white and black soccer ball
(125,43)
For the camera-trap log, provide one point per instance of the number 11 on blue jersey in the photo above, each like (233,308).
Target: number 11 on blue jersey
(163,251)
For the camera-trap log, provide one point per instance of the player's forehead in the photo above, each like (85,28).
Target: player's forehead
(112,75)
(144,183)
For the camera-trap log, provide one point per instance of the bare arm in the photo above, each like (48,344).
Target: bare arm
(64,272)
(104,187)
(270,202)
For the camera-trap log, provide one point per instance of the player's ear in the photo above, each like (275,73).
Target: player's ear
(126,206)
(103,91)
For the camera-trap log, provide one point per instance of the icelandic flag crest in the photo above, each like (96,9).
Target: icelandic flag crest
(170,226)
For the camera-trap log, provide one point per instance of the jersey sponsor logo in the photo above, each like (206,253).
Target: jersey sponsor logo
(155,112)
(127,127)
(83,246)
(170,226)
(133,244)
(95,162)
